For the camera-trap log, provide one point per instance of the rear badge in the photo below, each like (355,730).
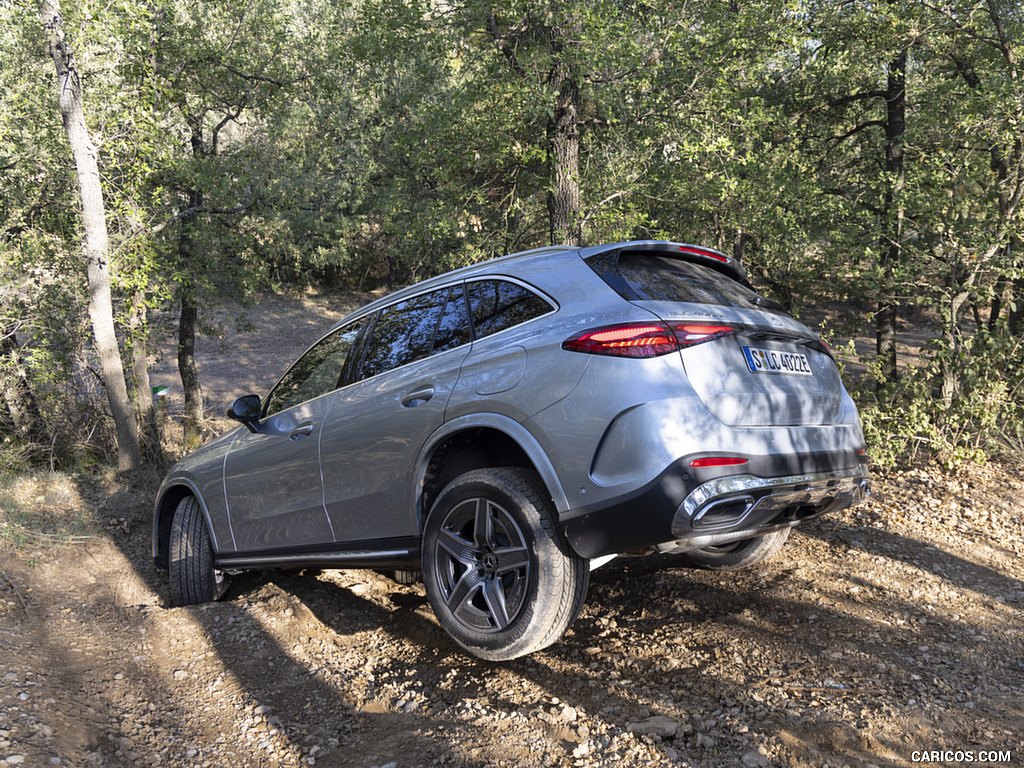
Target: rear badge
(774,361)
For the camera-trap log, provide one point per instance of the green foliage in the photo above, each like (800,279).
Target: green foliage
(909,421)
(361,143)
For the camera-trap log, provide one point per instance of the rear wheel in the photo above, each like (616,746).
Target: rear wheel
(192,575)
(499,574)
(737,555)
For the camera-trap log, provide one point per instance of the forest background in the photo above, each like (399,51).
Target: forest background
(864,161)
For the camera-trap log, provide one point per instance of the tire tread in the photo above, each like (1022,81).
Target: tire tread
(191,571)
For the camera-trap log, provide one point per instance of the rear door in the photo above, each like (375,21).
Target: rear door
(410,365)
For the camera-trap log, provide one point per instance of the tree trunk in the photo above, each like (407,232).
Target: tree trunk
(187,258)
(187,366)
(564,194)
(564,141)
(892,221)
(101,313)
(950,367)
(140,375)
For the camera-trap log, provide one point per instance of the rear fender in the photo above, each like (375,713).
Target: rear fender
(523,438)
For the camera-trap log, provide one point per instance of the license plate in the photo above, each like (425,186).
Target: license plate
(774,361)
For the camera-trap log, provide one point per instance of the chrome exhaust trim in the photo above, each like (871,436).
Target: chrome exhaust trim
(741,506)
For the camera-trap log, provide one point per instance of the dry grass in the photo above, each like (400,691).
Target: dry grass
(43,509)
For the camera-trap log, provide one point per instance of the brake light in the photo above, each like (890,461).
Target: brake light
(717,461)
(642,340)
(704,252)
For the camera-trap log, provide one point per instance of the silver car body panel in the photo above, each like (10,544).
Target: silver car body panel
(334,475)
(283,501)
(372,432)
(519,432)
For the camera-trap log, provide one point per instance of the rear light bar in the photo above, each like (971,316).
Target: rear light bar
(644,339)
(717,461)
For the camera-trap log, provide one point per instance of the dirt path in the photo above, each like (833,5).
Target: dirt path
(875,635)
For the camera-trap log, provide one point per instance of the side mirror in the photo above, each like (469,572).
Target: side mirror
(246,410)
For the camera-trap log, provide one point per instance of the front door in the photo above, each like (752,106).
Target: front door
(272,483)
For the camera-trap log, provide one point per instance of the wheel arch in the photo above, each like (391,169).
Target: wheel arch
(163,515)
(478,442)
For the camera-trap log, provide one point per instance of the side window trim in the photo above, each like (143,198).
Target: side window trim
(440,317)
(461,288)
(351,374)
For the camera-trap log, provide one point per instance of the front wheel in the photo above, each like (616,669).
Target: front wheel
(498,572)
(192,575)
(738,555)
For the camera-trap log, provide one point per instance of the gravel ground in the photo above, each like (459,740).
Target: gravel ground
(876,634)
(890,634)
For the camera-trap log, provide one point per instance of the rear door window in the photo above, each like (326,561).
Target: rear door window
(403,333)
(644,277)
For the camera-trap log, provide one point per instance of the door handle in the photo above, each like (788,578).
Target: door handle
(302,431)
(419,397)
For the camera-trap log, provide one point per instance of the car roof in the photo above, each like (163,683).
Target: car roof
(521,264)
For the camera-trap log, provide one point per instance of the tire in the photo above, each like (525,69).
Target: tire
(193,578)
(738,555)
(499,574)
(406,576)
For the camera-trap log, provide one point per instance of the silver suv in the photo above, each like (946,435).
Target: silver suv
(505,428)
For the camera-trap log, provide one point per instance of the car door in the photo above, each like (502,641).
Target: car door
(373,434)
(272,483)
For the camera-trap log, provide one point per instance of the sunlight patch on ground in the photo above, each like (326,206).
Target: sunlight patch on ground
(43,509)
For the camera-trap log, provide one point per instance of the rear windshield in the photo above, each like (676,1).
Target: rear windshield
(647,277)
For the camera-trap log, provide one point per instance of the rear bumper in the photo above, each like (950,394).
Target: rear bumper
(685,509)
(731,508)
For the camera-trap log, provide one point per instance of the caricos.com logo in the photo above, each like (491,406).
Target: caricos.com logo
(961,756)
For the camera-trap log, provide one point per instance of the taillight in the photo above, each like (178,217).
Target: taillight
(644,339)
(826,347)
(690,334)
(636,340)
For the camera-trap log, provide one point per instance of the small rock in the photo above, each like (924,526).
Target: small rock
(705,741)
(658,725)
(754,759)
